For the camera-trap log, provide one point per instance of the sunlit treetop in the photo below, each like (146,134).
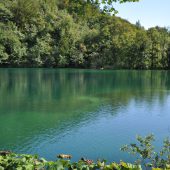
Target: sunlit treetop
(106,6)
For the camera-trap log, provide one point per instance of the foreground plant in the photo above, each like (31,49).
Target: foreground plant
(11,161)
(145,150)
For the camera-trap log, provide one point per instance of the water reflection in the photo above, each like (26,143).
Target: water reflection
(81,112)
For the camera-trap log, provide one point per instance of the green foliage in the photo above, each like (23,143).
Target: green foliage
(24,11)
(29,162)
(11,49)
(160,41)
(144,148)
(5,14)
(71,33)
(108,4)
(148,156)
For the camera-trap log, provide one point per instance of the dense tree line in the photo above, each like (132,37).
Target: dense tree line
(77,33)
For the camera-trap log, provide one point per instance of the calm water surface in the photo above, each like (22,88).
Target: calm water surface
(86,113)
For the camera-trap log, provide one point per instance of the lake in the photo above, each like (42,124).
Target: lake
(86,113)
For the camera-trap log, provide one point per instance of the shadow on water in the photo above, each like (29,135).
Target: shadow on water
(81,112)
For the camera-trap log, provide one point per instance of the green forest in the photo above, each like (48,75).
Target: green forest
(77,34)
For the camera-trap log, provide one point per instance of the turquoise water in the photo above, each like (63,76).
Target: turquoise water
(86,113)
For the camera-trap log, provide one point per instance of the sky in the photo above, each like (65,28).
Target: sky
(150,13)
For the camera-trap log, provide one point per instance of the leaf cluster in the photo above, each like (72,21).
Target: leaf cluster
(28,162)
(147,154)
